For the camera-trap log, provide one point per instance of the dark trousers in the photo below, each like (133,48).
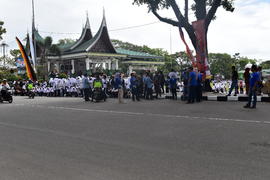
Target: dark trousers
(157,91)
(191,93)
(162,87)
(198,93)
(252,93)
(86,94)
(174,94)
(185,93)
(234,86)
(135,94)
(247,88)
(145,92)
(149,93)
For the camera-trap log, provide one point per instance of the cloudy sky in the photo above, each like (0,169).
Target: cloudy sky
(246,31)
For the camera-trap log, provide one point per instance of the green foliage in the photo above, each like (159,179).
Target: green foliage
(47,48)
(8,61)
(265,64)
(133,47)
(7,74)
(2,30)
(63,75)
(220,64)
(165,4)
(170,60)
(15,53)
(153,4)
(65,41)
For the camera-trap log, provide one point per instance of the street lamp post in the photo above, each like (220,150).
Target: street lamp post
(4,45)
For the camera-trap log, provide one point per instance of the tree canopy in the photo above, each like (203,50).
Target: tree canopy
(265,64)
(65,41)
(203,9)
(2,30)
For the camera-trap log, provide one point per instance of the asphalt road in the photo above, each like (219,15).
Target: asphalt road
(68,139)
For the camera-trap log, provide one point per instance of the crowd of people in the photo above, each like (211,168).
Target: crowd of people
(137,86)
(147,85)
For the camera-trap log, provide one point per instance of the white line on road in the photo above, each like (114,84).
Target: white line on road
(151,114)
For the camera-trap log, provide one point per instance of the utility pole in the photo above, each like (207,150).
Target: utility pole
(4,46)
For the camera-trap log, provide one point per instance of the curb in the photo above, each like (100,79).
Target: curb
(229,98)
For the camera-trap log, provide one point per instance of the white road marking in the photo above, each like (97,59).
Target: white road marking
(149,114)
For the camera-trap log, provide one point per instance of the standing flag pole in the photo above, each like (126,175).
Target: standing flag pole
(33,39)
(29,70)
(33,54)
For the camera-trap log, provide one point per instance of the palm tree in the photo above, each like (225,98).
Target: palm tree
(46,48)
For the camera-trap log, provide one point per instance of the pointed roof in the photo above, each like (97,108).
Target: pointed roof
(102,37)
(85,36)
(37,36)
(99,41)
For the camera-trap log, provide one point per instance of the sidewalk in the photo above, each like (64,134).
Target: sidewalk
(210,96)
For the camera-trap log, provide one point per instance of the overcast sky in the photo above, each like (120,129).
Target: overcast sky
(245,31)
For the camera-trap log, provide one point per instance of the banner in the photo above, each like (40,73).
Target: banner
(201,52)
(32,50)
(29,70)
(189,53)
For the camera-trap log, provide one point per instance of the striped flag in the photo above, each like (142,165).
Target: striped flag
(189,53)
(29,70)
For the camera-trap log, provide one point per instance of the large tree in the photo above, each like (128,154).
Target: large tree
(47,48)
(2,30)
(202,9)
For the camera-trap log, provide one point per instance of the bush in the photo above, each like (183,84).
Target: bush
(63,75)
(6,74)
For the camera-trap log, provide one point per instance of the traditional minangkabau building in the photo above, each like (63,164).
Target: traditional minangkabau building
(91,53)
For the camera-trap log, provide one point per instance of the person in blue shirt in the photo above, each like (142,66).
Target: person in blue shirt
(134,86)
(185,77)
(173,86)
(199,86)
(253,82)
(192,83)
(119,86)
(149,86)
(86,87)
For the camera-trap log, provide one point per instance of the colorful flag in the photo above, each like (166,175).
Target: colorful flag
(29,70)
(189,53)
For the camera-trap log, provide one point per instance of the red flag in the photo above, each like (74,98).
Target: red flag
(189,53)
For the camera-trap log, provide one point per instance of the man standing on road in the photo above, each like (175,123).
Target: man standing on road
(254,80)
(134,87)
(234,84)
(247,77)
(86,87)
(149,86)
(118,84)
(192,83)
